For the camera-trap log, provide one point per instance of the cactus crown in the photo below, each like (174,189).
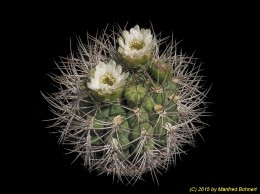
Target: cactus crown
(128,107)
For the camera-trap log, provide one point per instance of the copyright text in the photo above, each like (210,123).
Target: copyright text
(222,189)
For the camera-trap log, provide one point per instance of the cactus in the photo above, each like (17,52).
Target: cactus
(127,106)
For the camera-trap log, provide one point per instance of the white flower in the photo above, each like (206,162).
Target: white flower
(107,77)
(137,43)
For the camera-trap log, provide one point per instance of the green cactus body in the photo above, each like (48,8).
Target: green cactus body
(135,95)
(170,88)
(107,97)
(137,135)
(136,117)
(135,79)
(96,141)
(136,131)
(128,109)
(97,128)
(116,110)
(161,71)
(138,62)
(124,142)
(159,129)
(160,98)
(148,104)
(138,122)
(104,113)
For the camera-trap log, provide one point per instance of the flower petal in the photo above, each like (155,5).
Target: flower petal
(136,34)
(110,68)
(118,69)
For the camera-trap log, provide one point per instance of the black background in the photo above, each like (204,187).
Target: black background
(219,35)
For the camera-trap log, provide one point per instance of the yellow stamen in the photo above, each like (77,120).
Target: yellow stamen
(107,79)
(136,45)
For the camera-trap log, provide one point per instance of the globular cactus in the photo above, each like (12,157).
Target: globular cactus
(126,106)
